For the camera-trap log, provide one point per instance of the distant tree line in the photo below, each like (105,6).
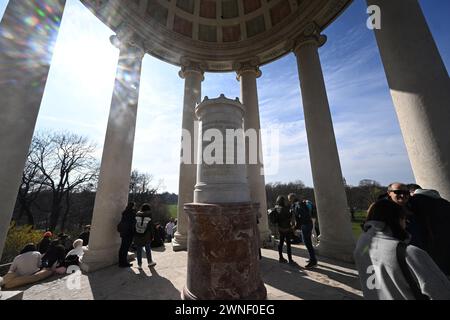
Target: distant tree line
(358,197)
(59,184)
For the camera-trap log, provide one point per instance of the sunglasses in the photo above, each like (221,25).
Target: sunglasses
(400,192)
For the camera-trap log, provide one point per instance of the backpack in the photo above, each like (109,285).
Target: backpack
(302,213)
(141,224)
(273,216)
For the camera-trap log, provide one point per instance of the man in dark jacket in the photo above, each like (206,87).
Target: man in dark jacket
(304,219)
(126,229)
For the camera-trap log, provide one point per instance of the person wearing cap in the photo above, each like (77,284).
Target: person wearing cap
(45,242)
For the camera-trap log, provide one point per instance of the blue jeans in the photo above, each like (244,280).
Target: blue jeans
(148,251)
(306,235)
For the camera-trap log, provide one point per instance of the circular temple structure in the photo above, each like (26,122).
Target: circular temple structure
(219,34)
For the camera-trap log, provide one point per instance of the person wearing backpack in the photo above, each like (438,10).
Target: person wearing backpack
(144,234)
(126,230)
(303,218)
(284,219)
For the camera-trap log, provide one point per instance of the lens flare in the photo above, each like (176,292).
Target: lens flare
(28,34)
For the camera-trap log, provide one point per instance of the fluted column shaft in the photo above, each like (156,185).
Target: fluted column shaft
(247,76)
(114,181)
(193,77)
(23,76)
(420,89)
(336,238)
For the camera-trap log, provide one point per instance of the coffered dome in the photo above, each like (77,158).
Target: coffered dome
(217,33)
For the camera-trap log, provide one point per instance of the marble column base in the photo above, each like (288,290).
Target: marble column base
(336,250)
(223,260)
(179,242)
(94,260)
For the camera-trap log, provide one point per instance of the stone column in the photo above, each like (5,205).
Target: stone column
(25,56)
(336,239)
(223,237)
(192,73)
(420,89)
(115,171)
(247,73)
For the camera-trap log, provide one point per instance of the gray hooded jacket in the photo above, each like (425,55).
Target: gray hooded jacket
(379,271)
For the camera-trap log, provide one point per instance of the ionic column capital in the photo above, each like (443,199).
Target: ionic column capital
(191,66)
(247,66)
(311,35)
(131,43)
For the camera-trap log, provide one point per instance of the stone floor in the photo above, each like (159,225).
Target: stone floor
(330,280)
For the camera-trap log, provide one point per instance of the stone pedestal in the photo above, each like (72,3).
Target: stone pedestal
(223,236)
(420,89)
(223,253)
(336,239)
(24,68)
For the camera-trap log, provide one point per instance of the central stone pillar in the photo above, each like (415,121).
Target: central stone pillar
(223,237)
(420,89)
(115,171)
(247,73)
(25,54)
(336,237)
(193,75)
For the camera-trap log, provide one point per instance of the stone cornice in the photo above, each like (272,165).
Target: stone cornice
(162,42)
(311,35)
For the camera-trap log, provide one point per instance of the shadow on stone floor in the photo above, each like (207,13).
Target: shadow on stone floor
(132,284)
(294,281)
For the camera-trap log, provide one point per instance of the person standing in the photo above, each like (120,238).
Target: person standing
(285,226)
(144,234)
(169,229)
(303,217)
(126,230)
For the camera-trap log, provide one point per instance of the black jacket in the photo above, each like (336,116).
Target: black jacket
(284,219)
(127,223)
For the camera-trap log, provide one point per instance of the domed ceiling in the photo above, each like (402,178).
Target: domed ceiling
(217,33)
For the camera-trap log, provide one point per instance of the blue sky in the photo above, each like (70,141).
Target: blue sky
(81,80)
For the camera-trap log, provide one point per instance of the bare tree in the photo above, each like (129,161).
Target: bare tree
(140,183)
(65,162)
(31,185)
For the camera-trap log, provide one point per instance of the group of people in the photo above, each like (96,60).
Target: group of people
(50,256)
(404,250)
(289,216)
(138,228)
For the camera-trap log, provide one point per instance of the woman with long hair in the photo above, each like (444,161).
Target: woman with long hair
(389,268)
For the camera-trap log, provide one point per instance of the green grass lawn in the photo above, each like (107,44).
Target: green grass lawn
(360,217)
(172,210)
